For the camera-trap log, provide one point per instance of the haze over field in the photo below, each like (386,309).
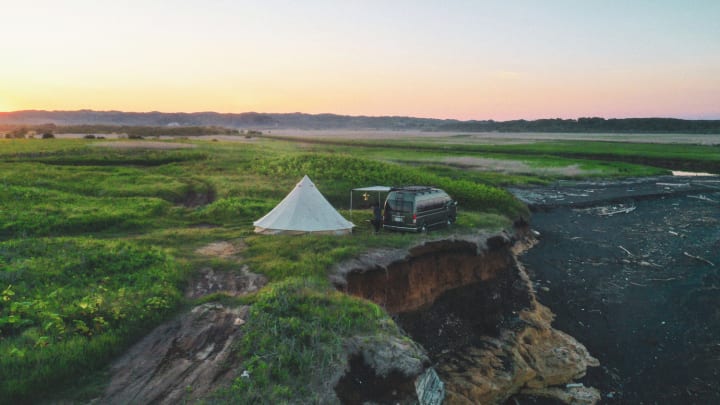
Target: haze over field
(454,59)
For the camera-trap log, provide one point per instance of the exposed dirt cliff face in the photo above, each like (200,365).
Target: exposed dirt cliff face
(408,283)
(471,305)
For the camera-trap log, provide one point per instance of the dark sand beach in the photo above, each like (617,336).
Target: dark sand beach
(632,270)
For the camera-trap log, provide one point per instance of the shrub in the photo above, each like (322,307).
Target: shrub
(69,304)
(34,211)
(234,210)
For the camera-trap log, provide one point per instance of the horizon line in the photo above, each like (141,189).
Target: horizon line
(354,116)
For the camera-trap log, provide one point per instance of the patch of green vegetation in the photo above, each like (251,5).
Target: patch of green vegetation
(109,156)
(68,305)
(283,256)
(638,159)
(141,131)
(112,181)
(32,211)
(541,166)
(233,209)
(294,340)
(14,148)
(480,220)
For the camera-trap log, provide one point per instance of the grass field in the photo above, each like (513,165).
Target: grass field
(97,244)
(609,159)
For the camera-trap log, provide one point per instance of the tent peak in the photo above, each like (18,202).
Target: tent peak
(306,182)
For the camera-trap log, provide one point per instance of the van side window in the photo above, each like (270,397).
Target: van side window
(399,206)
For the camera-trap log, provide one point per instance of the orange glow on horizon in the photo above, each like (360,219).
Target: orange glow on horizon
(463,60)
(461,94)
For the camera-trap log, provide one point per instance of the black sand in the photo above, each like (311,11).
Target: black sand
(632,270)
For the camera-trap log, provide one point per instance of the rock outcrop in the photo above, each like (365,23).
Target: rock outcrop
(230,282)
(471,305)
(181,360)
(381,369)
(234,282)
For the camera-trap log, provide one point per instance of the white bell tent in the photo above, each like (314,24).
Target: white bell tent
(304,210)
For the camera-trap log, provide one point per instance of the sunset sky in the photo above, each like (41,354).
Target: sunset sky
(444,59)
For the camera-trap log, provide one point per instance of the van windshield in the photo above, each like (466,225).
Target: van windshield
(399,206)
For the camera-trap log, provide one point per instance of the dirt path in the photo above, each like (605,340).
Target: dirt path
(632,269)
(236,282)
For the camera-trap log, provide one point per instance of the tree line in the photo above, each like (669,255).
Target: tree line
(589,125)
(22,131)
(182,124)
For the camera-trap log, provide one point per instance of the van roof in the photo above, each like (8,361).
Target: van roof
(414,189)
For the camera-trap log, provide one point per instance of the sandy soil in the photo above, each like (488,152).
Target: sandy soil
(234,282)
(222,249)
(639,287)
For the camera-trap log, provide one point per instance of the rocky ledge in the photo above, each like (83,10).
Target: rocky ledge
(181,360)
(471,305)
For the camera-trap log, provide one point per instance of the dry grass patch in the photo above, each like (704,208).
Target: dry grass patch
(516,167)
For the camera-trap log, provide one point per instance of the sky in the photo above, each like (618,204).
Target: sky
(457,59)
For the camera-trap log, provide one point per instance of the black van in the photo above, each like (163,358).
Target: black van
(417,208)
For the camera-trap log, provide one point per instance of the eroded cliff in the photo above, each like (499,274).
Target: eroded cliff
(470,304)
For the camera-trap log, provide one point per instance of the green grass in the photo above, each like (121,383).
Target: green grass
(94,181)
(20,148)
(544,166)
(34,211)
(97,243)
(69,304)
(612,159)
(232,209)
(294,340)
(284,256)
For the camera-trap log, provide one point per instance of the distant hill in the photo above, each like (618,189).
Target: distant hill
(265,121)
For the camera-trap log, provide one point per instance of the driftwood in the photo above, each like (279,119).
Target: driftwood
(673,184)
(704,198)
(626,251)
(706,186)
(620,211)
(699,258)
